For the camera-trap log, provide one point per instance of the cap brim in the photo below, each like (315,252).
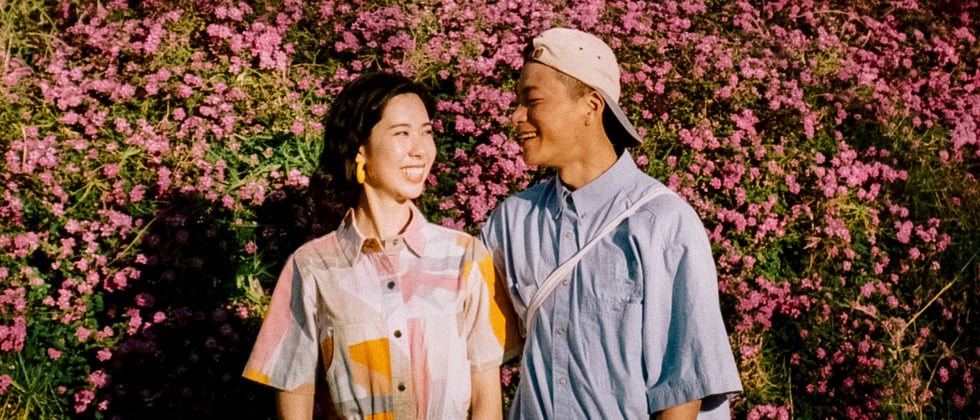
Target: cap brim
(618,126)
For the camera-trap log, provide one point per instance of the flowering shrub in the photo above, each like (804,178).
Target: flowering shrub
(155,161)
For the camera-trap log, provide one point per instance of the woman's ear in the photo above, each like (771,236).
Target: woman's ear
(360,155)
(360,174)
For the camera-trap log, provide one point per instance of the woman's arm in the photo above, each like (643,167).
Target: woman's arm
(294,405)
(485,401)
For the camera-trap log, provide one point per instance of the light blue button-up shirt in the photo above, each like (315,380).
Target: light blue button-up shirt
(636,327)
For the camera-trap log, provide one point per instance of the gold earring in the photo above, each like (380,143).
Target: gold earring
(360,172)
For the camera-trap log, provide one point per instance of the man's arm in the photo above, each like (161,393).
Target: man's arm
(686,411)
(485,400)
(293,405)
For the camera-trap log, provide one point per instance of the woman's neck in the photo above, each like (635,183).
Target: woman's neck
(381,219)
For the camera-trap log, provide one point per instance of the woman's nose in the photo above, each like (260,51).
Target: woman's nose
(420,145)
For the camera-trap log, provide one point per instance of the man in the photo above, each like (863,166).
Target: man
(634,330)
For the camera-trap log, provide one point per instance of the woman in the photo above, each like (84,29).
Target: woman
(396,315)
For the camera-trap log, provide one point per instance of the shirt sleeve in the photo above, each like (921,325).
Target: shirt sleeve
(286,352)
(694,359)
(501,299)
(489,321)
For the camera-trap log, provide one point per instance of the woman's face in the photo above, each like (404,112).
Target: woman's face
(400,151)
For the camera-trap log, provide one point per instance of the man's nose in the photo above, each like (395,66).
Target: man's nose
(519,115)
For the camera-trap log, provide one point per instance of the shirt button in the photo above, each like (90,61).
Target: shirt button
(391,285)
(568,235)
(560,332)
(371,245)
(565,282)
(398,333)
(562,381)
(401,387)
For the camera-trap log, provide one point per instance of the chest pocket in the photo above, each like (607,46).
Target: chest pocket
(612,278)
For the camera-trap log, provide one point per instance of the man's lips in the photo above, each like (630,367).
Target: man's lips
(523,137)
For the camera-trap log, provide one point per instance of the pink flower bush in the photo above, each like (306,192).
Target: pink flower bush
(157,159)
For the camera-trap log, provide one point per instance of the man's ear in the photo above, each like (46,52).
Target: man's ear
(596,104)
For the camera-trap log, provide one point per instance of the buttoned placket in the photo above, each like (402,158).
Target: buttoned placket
(390,282)
(568,245)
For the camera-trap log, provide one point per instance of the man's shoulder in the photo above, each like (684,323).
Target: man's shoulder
(524,200)
(669,202)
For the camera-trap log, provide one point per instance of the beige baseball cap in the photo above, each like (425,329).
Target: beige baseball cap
(588,59)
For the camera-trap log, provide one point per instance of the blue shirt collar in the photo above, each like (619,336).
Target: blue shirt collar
(601,191)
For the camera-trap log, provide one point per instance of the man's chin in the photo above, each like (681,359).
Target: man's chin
(528,159)
(527,153)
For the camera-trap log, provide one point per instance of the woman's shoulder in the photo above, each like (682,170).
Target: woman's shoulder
(325,245)
(439,232)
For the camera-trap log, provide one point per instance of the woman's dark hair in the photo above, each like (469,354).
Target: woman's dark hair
(355,111)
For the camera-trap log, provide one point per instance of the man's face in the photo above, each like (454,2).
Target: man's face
(548,119)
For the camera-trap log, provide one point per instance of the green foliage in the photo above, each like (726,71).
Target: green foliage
(154,158)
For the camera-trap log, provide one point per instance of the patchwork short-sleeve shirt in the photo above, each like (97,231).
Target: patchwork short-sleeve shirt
(398,326)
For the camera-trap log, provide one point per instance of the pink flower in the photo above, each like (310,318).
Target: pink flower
(136,194)
(106,332)
(904,231)
(5,382)
(54,354)
(103,355)
(82,333)
(867,289)
(144,300)
(83,399)
(98,378)
(12,337)
(297,128)
(914,253)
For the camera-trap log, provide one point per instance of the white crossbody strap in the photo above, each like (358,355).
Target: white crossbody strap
(559,273)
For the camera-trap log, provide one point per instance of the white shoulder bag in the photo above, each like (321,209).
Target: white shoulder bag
(559,273)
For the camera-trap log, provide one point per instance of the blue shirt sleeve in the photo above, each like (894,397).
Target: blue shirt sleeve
(684,334)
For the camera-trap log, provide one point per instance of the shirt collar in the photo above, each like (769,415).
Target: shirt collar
(601,191)
(353,243)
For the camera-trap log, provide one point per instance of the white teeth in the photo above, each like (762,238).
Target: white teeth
(526,136)
(414,173)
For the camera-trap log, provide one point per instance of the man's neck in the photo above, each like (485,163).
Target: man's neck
(580,173)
